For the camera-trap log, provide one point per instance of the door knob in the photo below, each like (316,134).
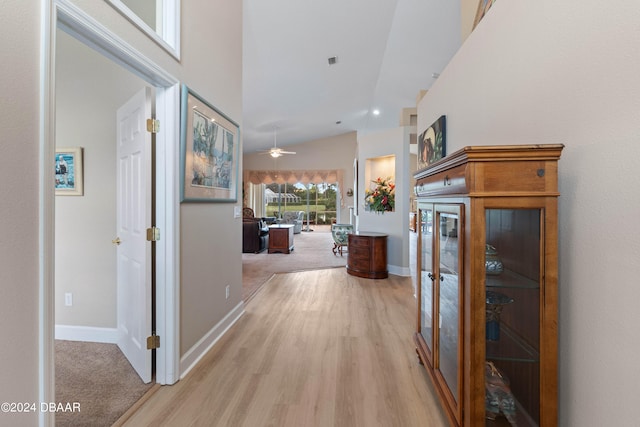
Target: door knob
(116,241)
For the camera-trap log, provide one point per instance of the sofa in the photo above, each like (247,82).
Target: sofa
(255,235)
(294,217)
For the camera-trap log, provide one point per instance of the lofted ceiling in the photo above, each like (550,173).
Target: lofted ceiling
(386,52)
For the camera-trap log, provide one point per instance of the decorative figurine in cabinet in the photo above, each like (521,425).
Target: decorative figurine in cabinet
(487,283)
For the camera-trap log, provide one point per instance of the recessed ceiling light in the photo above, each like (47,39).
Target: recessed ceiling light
(376,112)
(333,60)
(435,75)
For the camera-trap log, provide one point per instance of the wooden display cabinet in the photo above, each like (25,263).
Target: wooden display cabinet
(488,283)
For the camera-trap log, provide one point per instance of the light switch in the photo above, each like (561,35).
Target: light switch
(237,212)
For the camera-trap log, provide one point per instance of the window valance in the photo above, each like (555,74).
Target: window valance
(294,176)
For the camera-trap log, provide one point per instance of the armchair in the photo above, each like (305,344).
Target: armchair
(255,235)
(294,217)
(340,234)
(247,212)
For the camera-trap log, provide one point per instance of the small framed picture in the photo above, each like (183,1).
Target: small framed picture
(68,164)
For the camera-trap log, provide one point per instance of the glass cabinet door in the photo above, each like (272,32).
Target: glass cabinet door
(447,294)
(425,215)
(513,263)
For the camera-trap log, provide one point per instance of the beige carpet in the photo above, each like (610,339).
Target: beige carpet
(312,251)
(99,378)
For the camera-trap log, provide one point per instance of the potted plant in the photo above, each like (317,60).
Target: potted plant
(381,198)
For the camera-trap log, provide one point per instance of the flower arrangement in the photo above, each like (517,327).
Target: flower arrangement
(381,198)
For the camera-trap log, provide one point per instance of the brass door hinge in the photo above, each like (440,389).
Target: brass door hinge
(153,234)
(153,342)
(153,125)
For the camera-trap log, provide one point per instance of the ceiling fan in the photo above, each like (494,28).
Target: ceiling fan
(276,152)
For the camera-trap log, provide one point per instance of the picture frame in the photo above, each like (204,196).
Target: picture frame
(69,172)
(432,143)
(483,8)
(209,152)
(355,186)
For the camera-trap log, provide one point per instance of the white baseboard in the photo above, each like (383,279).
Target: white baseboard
(87,333)
(399,271)
(195,353)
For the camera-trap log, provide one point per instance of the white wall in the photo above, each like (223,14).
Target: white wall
(568,72)
(337,152)
(19,263)
(396,224)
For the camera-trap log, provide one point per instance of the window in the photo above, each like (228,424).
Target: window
(318,201)
(159,19)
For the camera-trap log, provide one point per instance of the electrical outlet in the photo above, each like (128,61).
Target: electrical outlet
(227,292)
(68,299)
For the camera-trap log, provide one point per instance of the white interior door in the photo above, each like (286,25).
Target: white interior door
(133,217)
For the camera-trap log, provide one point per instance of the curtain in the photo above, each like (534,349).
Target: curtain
(294,176)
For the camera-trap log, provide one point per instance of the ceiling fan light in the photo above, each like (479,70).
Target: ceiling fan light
(275,154)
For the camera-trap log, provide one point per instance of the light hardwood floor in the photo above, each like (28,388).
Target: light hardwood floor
(315,348)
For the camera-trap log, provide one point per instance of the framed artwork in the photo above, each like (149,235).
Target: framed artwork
(68,171)
(483,8)
(209,152)
(432,143)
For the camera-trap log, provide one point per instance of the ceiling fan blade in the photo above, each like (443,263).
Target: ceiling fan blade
(276,152)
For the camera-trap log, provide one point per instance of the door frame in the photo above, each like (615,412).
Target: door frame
(68,17)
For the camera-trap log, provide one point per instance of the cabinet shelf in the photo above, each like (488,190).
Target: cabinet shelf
(510,347)
(510,279)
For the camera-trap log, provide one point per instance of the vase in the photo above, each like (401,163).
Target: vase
(495,302)
(492,262)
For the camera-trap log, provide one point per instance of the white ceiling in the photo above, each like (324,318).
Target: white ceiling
(387,51)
